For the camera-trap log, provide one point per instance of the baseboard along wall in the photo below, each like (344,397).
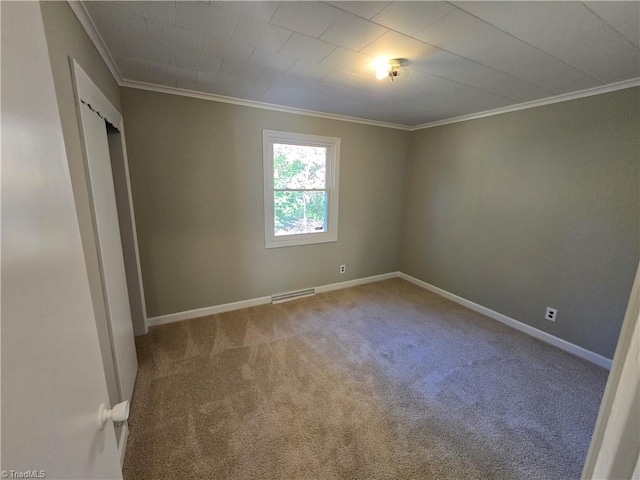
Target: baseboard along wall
(523,327)
(122,446)
(254,302)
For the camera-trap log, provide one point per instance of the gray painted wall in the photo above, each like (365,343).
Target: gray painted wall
(66,38)
(196,174)
(515,212)
(531,209)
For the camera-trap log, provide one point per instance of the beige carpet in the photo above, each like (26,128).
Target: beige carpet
(380,381)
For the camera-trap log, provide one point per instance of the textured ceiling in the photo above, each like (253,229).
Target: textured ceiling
(461,57)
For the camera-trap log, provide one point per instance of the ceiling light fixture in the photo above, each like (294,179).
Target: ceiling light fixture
(387,69)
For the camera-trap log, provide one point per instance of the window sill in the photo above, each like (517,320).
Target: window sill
(295,240)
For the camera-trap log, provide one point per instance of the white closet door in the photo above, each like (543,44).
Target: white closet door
(52,377)
(110,250)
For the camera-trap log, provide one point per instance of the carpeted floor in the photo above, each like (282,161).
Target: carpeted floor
(380,381)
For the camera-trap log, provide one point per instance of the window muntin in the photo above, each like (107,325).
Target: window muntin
(301,195)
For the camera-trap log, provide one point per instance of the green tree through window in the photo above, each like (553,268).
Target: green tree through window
(299,189)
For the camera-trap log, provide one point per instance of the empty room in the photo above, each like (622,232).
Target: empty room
(320,240)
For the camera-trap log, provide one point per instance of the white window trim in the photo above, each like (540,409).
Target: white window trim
(332,144)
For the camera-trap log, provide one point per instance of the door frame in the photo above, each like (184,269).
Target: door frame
(85,90)
(52,374)
(610,454)
(88,93)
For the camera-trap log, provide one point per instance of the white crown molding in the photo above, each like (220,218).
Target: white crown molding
(85,20)
(565,97)
(255,104)
(635,82)
(87,23)
(89,27)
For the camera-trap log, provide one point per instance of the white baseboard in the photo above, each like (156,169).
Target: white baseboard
(254,302)
(203,312)
(123,442)
(357,281)
(523,327)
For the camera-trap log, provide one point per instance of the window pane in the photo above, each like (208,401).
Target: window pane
(299,212)
(299,166)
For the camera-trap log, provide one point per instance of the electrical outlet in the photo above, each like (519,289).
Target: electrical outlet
(343,268)
(551,314)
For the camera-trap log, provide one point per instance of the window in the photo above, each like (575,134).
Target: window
(300,188)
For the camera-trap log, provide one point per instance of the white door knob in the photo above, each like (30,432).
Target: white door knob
(119,413)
